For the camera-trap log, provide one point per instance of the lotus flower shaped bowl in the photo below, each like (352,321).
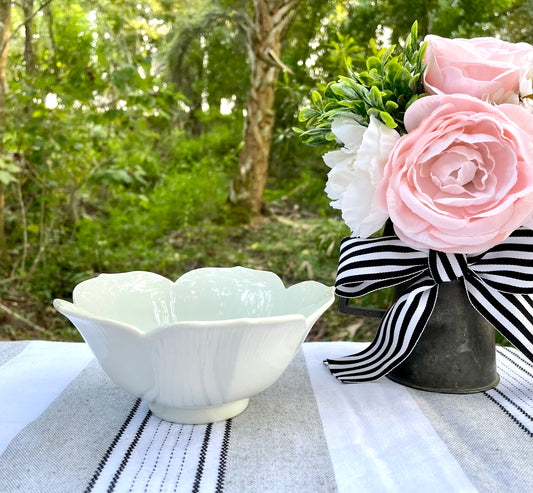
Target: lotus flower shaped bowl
(196,349)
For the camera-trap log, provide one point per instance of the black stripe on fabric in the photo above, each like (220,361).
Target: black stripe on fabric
(365,241)
(463,262)
(108,452)
(511,245)
(223,457)
(516,261)
(446,263)
(410,331)
(514,302)
(518,241)
(522,359)
(147,453)
(381,343)
(352,287)
(386,251)
(416,332)
(433,265)
(513,362)
(170,457)
(183,458)
(128,453)
(375,347)
(349,287)
(454,266)
(201,463)
(386,248)
(506,287)
(507,412)
(385,271)
(494,319)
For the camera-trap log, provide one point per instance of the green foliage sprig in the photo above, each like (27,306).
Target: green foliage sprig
(385,90)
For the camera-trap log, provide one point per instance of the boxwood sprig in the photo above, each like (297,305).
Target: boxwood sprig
(388,86)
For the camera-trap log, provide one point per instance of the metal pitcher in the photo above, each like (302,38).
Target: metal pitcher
(456,352)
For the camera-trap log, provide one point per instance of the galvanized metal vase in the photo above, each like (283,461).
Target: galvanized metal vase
(456,352)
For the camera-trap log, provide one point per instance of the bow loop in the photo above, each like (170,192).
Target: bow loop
(366,265)
(507,267)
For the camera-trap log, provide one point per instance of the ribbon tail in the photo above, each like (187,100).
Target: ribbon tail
(397,335)
(510,314)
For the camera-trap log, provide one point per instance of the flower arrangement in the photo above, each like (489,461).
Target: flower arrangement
(436,141)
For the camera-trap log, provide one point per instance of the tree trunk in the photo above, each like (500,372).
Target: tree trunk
(266,33)
(29,56)
(5,34)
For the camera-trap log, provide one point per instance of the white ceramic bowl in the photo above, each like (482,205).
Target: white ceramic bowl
(199,348)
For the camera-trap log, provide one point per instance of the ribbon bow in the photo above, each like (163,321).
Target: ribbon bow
(498,284)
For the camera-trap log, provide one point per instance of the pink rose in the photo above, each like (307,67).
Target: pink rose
(461,179)
(486,68)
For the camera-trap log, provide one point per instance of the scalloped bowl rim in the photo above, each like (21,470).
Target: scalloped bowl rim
(65,307)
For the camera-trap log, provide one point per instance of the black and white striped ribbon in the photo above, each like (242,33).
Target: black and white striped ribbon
(498,282)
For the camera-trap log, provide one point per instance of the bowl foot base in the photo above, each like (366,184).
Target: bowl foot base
(199,415)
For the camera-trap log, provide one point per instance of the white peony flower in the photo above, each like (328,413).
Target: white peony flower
(356,171)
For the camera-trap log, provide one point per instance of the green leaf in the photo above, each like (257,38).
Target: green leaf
(392,68)
(307,113)
(344,91)
(415,83)
(387,54)
(391,106)
(373,63)
(367,79)
(316,98)
(375,97)
(402,80)
(387,119)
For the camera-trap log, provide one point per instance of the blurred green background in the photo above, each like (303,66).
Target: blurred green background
(127,129)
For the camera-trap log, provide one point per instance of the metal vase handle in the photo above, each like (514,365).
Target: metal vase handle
(359,311)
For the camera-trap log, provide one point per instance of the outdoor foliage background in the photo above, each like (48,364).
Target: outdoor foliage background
(118,145)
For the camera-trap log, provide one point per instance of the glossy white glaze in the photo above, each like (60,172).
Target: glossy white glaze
(197,349)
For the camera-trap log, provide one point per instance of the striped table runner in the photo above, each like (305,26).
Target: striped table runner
(65,427)
(147,450)
(514,394)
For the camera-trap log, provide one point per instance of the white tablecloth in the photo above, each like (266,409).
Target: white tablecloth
(65,427)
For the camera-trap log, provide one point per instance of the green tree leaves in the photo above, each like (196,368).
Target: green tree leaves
(8,170)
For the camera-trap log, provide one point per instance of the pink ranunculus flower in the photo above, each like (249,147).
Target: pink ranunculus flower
(486,68)
(461,179)
(356,171)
